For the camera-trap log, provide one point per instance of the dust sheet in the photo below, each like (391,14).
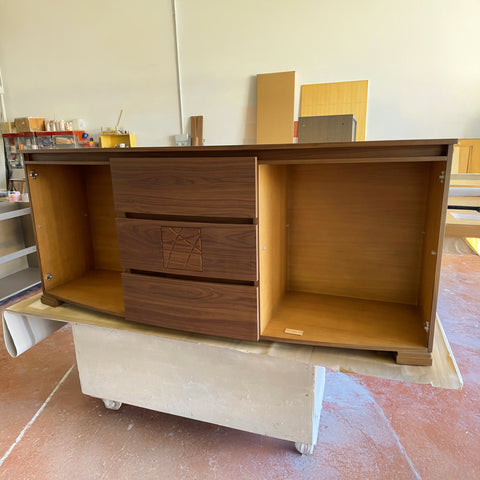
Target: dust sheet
(29,321)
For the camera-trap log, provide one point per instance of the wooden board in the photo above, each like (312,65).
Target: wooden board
(346,322)
(464,201)
(196,187)
(99,193)
(97,289)
(357,230)
(193,306)
(62,224)
(462,223)
(468,155)
(272,238)
(434,228)
(275,107)
(337,99)
(189,248)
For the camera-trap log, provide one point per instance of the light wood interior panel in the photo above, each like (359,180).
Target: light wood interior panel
(346,322)
(337,99)
(432,249)
(272,238)
(97,289)
(61,222)
(275,107)
(469,155)
(357,230)
(99,193)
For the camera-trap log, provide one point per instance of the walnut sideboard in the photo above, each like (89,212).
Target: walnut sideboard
(323,244)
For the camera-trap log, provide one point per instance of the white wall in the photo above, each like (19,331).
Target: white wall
(420,57)
(88,60)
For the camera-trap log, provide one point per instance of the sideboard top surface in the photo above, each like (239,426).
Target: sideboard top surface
(353,151)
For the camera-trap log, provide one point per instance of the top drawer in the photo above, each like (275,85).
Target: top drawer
(203,187)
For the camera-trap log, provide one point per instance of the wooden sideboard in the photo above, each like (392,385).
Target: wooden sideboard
(323,244)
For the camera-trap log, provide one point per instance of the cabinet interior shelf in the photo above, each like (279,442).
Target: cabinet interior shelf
(100,289)
(345,322)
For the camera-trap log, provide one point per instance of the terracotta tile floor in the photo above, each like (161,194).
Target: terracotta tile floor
(369,428)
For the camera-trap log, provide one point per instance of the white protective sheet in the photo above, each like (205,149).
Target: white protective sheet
(28,322)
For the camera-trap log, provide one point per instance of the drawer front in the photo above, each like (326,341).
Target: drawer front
(195,249)
(205,187)
(193,306)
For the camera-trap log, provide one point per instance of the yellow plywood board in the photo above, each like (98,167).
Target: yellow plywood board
(338,98)
(469,155)
(275,106)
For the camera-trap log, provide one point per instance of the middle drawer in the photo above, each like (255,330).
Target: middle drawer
(210,250)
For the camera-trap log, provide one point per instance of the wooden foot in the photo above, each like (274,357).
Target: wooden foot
(50,301)
(304,448)
(414,358)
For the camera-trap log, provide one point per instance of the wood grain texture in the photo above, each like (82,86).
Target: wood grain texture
(97,289)
(414,358)
(462,227)
(272,248)
(190,248)
(469,155)
(439,178)
(99,194)
(337,98)
(357,230)
(194,306)
(61,219)
(275,107)
(403,150)
(347,322)
(465,201)
(210,187)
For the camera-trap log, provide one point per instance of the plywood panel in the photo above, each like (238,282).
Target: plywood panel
(61,220)
(275,107)
(433,243)
(347,322)
(272,205)
(102,217)
(337,98)
(469,160)
(357,230)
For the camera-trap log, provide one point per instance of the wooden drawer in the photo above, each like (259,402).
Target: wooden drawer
(198,249)
(203,187)
(202,307)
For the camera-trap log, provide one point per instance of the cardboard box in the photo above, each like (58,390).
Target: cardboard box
(30,124)
(7,127)
(327,128)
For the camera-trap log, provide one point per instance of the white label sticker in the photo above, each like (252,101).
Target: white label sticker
(292,331)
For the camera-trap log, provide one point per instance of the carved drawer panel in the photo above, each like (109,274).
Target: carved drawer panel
(188,248)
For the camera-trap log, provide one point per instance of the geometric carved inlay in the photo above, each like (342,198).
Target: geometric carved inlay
(182,248)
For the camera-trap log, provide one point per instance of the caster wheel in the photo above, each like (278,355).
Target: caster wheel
(304,448)
(112,404)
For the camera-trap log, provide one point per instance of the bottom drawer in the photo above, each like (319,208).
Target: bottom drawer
(202,307)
